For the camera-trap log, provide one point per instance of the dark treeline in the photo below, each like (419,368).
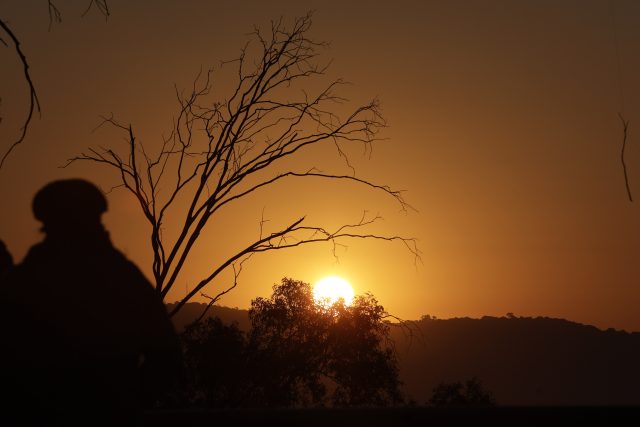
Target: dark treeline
(520,360)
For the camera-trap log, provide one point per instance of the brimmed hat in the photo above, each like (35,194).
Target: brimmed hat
(69,201)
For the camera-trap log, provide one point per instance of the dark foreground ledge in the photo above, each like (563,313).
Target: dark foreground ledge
(391,417)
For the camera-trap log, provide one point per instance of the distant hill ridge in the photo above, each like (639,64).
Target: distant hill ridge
(522,360)
(525,361)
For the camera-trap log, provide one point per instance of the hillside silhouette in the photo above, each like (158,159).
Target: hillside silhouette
(522,360)
(525,361)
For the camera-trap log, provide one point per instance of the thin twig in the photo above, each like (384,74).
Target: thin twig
(625,127)
(34,104)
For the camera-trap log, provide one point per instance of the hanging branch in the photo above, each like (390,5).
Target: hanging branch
(101,5)
(34,104)
(625,126)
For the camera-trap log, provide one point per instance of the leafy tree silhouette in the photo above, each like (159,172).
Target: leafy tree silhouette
(296,354)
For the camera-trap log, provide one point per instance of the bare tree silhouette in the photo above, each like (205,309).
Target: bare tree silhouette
(222,152)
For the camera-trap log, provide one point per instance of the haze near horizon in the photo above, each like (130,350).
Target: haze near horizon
(503,132)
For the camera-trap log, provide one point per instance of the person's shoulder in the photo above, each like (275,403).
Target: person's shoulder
(36,255)
(13,283)
(36,252)
(129,269)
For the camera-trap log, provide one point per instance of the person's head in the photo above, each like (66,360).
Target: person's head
(69,206)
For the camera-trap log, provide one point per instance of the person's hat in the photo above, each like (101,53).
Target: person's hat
(69,201)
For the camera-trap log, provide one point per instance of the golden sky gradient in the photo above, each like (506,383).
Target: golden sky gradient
(503,130)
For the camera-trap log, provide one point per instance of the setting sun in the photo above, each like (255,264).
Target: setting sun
(331,289)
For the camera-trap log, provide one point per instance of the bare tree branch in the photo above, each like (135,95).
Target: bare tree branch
(101,5)
(34,104)
(222,151)
(216,298)
(54,14)
(625,127)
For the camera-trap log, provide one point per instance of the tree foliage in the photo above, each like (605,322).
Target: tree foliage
(297,353)
(216,361)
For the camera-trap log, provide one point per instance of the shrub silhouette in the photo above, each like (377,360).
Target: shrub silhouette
(216,361)
(457,394)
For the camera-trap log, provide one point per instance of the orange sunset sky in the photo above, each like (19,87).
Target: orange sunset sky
(503,131)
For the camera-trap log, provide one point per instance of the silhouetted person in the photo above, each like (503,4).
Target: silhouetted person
(89,338)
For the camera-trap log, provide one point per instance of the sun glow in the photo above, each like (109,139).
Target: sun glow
(331,289)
